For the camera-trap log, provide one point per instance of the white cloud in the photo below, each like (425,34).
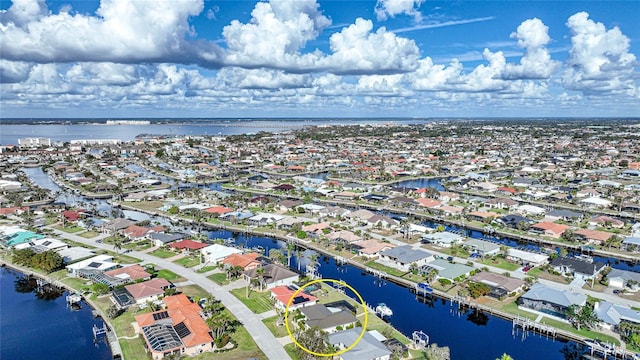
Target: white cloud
(276,33)
(532,35)
(122,31)
(359,50)
(390,8)
(13,71)
(599,59)
(261,79)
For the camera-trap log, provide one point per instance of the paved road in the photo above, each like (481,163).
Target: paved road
(256,328)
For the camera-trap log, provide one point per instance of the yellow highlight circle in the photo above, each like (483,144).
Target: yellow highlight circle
(364,326)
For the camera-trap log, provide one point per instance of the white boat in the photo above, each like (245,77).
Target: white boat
(383,310)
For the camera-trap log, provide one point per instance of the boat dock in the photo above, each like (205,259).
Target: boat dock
(112,340)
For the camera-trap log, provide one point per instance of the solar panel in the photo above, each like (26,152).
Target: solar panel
(182,330)
(160,315)
(299,299)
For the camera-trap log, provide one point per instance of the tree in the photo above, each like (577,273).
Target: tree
(100,288)
(581,316)
(301,234)
(117,244)
(312,339)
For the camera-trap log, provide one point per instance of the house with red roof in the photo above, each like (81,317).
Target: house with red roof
(149,290)
(177,330)
(593,236)
(12,210)
(245,261)
(549,229)
(220,210)
(132,273)
(429,203)
(282,294)
(135,232)
(73,215)
(188,246)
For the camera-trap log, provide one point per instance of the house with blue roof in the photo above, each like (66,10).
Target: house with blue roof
(611,315)
(21,237)
(550,301)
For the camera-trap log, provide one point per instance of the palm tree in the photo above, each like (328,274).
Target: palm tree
(260,273)
(117,244)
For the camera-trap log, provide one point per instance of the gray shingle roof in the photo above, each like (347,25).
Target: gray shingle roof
(613,314)
(540,292)
(367,348)
(406,254)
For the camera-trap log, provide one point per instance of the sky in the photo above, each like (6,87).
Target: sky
(313,58)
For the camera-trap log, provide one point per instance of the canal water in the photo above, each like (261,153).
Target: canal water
(469,334)
(34,325)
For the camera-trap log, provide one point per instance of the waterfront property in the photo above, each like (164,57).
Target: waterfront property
(611,315)
(327,319)
(150,290)
(574,267)
(283,293)
(369,347)
(98,263)
(500,285)
(551,301)
(402,257)
(215,253)
(271,276)
(177,330)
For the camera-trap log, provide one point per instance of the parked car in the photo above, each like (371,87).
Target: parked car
(526,268)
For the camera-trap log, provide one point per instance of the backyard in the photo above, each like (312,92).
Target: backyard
(258,302)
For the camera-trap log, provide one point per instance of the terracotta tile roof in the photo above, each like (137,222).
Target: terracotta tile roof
(594,234)
(181,310)
(148,288)
(426,202)
(372,246)
(283,294)
(552,227)
(243,260)
(188,244)
(133,272)
(219,210)
(136,231)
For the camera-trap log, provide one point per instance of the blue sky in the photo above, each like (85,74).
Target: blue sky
(309,58)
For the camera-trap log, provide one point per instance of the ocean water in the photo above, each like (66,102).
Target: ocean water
(32,327)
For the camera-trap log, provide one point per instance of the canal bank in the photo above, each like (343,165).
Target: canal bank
(450,309)
(61,331)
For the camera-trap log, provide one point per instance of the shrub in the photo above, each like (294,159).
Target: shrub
(444,281)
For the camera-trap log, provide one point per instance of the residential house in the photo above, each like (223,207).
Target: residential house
(428,203)
(178,330)
(549,229)
(593,236)
(562,214)
(219,210)
(569,266)
(215,253)
(621,279)
(282,295)
(188,246)
(288,222)
(369,347)
(383,221)
(273,275)
(327,319)
(606,221)
(451,271)
(482,247)
(631,244)
(500,285)
(264,219)
(550,301)
(129,273)
(315,230)
(371,248)
(532,210)
(527,257)
(150,290)
(343,237)
(402,257)
(512,221)
(161,239)
(482,216)
(612,315)
(360,216)
(116,225)
(245,261)
(443,239)
(98,263)
(501,203)
(135,232)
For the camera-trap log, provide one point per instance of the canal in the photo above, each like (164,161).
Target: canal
(469,334)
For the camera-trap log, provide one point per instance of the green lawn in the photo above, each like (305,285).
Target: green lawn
(582,332)
(219,278)
(501,264)
(170,275)
(138,246)
(134,349)
(207,268)
(535,272)
(188,261)
(277,331)
(69,229)
(258,302)
(162,253)
(89,234)
(194,291)
(73,243)
(78,283)
(291,350)
(389,270)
